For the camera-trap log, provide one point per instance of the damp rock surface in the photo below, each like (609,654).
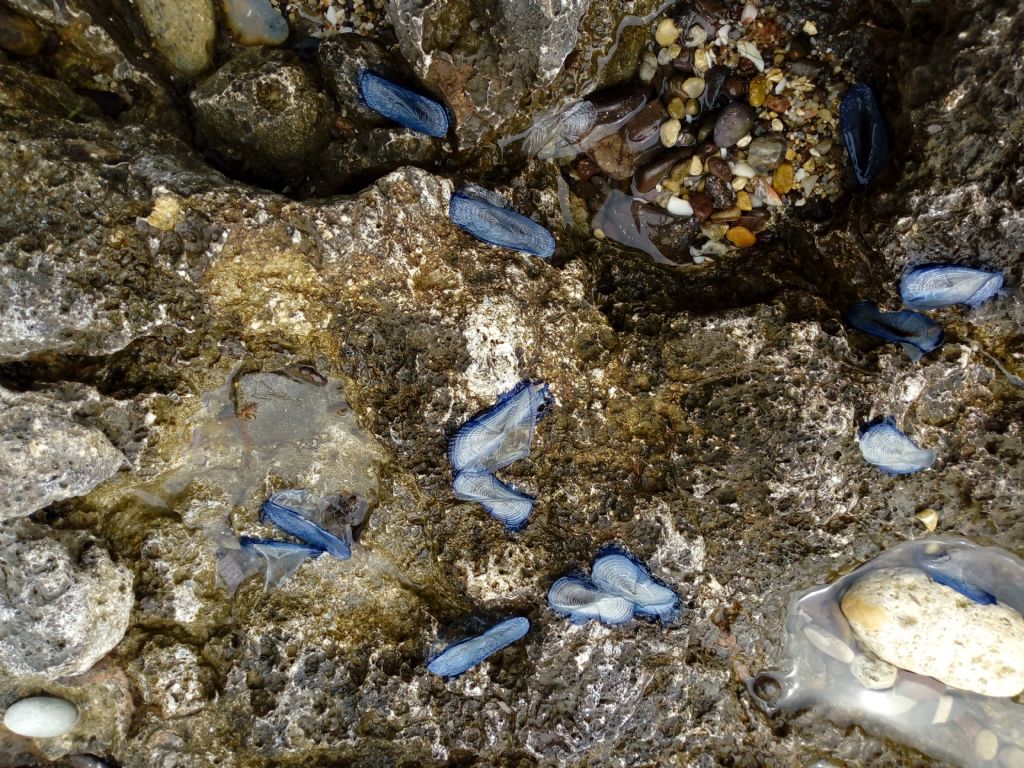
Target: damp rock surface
(184,32)
(915,623)
(65,604)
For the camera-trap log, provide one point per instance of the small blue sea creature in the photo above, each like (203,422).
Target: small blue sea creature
(290,512)
(619,573)
(487,217)
(918,334)
(457,658)
(502,501)
(943,569)
(238,558)
(864,133)
(405,107)
(930,286)
(503,433)
(885,446)
(582,601)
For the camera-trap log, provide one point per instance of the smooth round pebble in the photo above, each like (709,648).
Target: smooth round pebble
(666,33)
(677,206)
(669,132)
(693,86)
(733,124)
(41,717)
(741,237)
(986,744)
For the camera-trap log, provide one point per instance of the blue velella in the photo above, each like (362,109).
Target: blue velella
(238,558)
(619,573)
(885,446)
(864,133)
(918,334)
(503,433)
(581,601)
(502,502)
(291,512)
(408,108)
(457,658)
(930,286)
(487,217)
(945,568)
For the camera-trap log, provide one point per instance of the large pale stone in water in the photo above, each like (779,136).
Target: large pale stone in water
(182,30)
(913,622)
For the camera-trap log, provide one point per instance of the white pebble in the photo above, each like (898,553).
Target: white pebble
(677,206)
(748,50)
(986,744)
(748,15)
(666,33)
(648,70)
(664,57)
(41,717)
(810,28)
(744,141)
(669,132)
(744,170)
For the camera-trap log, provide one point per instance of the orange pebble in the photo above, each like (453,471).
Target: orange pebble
(741,237)
(783,178)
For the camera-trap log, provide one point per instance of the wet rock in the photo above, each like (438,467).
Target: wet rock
(184,32)
(65,604)
(915,623)
(341,58)
(262,110)
(255,22)
(19,35)
(733,123)
(722,195)
(350,164)
(614,156)
(172,678)
(54,447)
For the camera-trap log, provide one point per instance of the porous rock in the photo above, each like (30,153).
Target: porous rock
(914,623)
(65,604)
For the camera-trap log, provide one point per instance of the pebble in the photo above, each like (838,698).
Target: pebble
(1012,757)
(19,35)
(695,167)
(719,168)
(677,108)
(666,33)
(677,206)
(41,717)
(743,201)
(782,180)
(701,205)
(748,15)
(905,618)
(744,170)
(647,178)
(766,152)
(873,673)
(741,237)
(810,28)
(748,51)
(757,91)
(733,123)
(727,215)
(735,87)
(745,141)
(669,132)
(693,86)
(986,744)
(720,192)
(255,22)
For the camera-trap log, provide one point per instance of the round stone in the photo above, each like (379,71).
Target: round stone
(914,623)
(41,717)
(255,22)
(184,31)
(732,124)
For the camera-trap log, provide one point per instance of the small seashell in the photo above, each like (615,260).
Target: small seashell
(503,433)
(619,573)
(918,334)
(581,601)
(930,286)
(864,133)
(748,50)
(291,511)
(464,655)
(405,107)
(885,446)
(478,212)
(696,36)
(501,501)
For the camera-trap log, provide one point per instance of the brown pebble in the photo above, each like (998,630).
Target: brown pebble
(782,180)
(755,220)
(729,214)
(721,192)
(777,103)
(702,205)
(642,130)
(19,35)
(585,168)
(741,237)
(613,156)
(647,178)
(735,87)
(684,61)
(718,168)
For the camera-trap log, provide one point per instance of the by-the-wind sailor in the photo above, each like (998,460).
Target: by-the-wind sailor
(486,216)
(582,601)
(918,334)
(285,510)
(619,573)
(408,108)
(502,501)
(864,133)
(457,658)
(885,446)
(946,568)
(238,558)
(503,433)
(930,286)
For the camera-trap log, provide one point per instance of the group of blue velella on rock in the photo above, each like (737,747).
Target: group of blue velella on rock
(928,286)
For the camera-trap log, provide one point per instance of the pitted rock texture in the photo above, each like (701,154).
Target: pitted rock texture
(60,444)
(64,603)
